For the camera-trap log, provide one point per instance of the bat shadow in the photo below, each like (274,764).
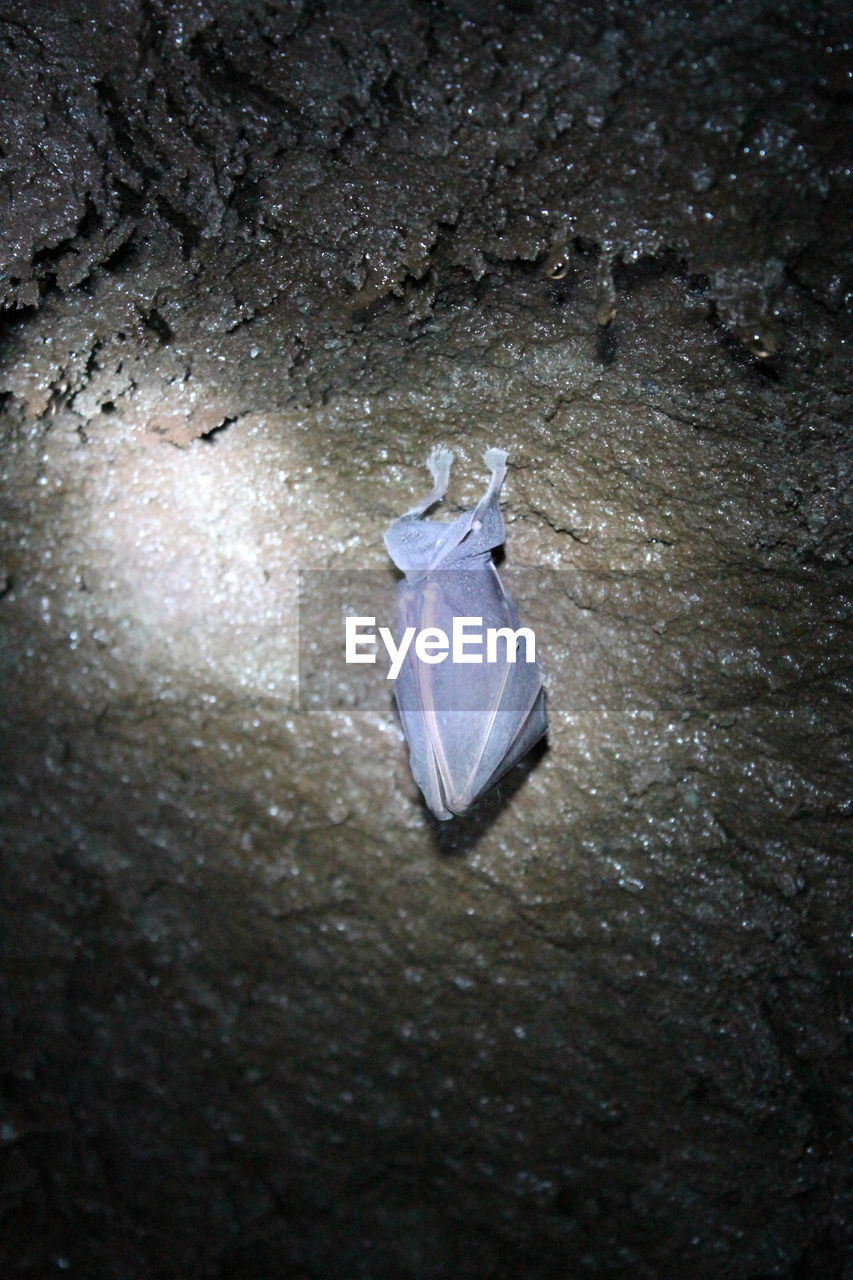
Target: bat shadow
(457,837)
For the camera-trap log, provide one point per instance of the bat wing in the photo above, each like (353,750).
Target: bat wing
(466,724)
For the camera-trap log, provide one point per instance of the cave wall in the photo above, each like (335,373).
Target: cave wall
(262,1015)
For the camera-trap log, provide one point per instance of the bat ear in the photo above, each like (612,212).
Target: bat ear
(483,527)
(439,463)
(495,460)
(412,542)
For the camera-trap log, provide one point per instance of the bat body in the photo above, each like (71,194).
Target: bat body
(469,712)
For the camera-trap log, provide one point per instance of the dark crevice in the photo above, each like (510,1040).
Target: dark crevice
(647,269)
(212,435)
(153,320)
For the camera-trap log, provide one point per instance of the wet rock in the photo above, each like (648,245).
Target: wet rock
(261,1014)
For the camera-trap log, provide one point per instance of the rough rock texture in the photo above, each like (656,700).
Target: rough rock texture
(262,1016)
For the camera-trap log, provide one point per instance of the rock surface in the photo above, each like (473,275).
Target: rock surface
(261,1015)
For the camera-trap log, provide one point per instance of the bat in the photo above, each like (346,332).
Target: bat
(468,717)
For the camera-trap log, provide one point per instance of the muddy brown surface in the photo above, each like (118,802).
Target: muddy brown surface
(262,1016)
